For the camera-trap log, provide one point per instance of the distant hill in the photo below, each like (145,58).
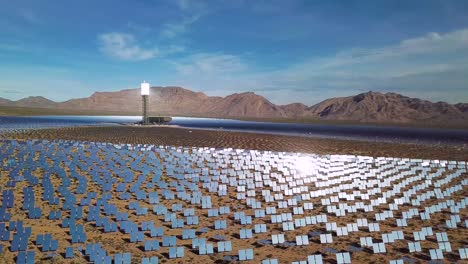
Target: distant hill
(35,101)
(372,107)
(388,107)
(462,107)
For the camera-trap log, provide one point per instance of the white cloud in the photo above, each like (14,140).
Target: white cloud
(124,46)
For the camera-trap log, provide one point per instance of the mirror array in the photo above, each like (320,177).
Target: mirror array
(122,203)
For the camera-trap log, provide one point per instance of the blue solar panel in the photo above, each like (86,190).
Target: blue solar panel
(48,244)
(204,230)
(150,260)
(110,209)
(153,198)
(4,215)
(76,212)
(93,213)
(220,224)
(55,215)
(180,252)
(176,252)
(128,226)
(123,258)
(245,220)
(176,207)
(4,233)
(69,252)
(169,241)
(77,234)
(245,233)
(142,211)
(260,228)
(151,245)
(8,198)
(224,210)
(125,196)
(213,212)
(34,213)
(20,239)
(245,254)
(169,217)
(188,233)
(67,222)
(136,236)
(121,216)
(11,226)
(206,202)
(110,227)
(97,254)
(196,242)
(192,220)
(275,261)
(177,223)
(157,232)
(148,225)
(21,258)
(121,187)
(140,195)
(40,239)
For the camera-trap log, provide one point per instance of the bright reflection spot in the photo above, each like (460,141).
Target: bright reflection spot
(304,165)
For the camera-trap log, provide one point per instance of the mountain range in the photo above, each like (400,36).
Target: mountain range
(372,107)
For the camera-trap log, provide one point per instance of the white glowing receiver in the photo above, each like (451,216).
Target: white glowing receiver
(145,88)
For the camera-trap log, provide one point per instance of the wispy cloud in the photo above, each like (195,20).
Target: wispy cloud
(56,83)
(191,12)
(215,73)
(210,64)
(29,16)
(198,6)
(13,47)
(432,44)
(124,46)
(171,30)
(136,27)
(430,54)
(419,66)
(9,91)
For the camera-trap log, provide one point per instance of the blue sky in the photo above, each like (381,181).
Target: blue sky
(288,51)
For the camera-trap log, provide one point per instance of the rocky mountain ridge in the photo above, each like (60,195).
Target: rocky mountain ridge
(177,101)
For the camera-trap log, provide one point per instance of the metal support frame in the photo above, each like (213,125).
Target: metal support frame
(145,110)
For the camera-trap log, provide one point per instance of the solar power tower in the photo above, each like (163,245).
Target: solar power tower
(145,89)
